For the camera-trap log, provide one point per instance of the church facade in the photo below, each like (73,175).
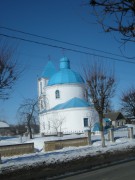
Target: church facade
(63,102)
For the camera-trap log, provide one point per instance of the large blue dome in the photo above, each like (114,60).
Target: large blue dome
(65,75)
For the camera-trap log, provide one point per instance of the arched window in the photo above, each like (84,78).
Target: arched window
(57,94)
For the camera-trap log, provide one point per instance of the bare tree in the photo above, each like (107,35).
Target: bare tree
(92,119)
(108,107)
(56,121)
(28,112)
(101,86)
(116,15)
(128,102)
(9,70)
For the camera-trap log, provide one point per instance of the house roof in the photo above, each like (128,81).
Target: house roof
(3,124)
(114,116)
(65,75)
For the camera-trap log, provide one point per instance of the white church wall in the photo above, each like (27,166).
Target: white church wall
(72,120)
(42,83)
(41,123)
(67,92)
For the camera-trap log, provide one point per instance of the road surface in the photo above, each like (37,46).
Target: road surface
(124,171)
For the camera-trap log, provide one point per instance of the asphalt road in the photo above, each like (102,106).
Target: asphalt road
(124,171)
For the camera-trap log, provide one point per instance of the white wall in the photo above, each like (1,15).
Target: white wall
(67,92)
(119,122)
(72,120)
(42,83)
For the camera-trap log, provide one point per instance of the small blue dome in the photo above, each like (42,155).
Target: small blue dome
(65,75)
(64,63)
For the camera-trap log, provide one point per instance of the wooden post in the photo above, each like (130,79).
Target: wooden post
(130,133)
(59,134)
(108,135)
(21,139)
(0,159)
(111,135)
(42,135)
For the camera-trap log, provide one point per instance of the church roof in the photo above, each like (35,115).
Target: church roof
(49,70)
(72,103)
(65,75)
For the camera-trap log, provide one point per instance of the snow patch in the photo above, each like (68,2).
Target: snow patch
(65,154)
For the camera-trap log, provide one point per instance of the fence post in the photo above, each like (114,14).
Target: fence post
(111,135)
(59,134)
(130,133)
(42,135)
(0,164)
(108,135)
(21,139)
(0,159)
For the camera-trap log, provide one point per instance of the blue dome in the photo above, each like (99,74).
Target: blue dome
(65,75)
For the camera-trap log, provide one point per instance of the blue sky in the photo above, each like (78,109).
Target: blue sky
(65,20)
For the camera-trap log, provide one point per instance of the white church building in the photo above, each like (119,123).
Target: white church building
(63,103)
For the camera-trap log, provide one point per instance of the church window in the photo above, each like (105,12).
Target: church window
(57,94)
(85,121)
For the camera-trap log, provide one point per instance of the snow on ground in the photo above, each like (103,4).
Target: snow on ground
(9,140)
(65,154)
(39,141)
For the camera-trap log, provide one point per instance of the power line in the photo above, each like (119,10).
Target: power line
(69,49)
(64,42)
